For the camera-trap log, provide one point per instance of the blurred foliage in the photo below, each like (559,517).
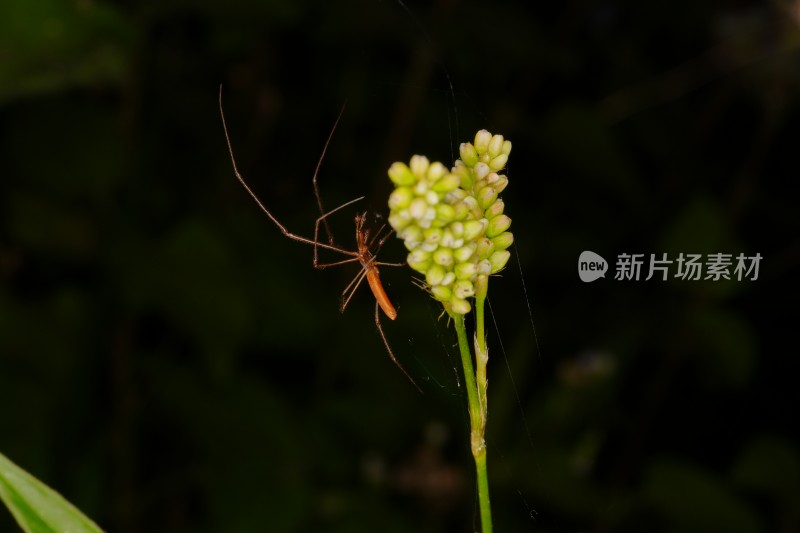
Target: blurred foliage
(168,361)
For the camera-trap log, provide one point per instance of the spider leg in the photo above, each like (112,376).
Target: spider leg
(389,349)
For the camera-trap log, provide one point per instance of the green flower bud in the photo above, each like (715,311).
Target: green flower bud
(400,198)
(448,183)
(482,140)
(417,208)
(499,162)
(503,241)
(442,293)
(431,198)
(463,289)
(499,260)
(419,260)
(458,306)
(486,197)
(445,213)
(464,174)
(465,270)
(401,175)
(485,248)
(507,147)
(436,171)
(411,234)
(498,225)
(444,257)
(462,211)
(469,155)
(449,278)
(484,267)
(495,209)
(496,146)
(500,184)
(473,228)
(432,235)
(400,219)
(419,166)
(463,254)
(481,170)
(435,275)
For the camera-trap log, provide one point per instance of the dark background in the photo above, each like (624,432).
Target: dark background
(170,362)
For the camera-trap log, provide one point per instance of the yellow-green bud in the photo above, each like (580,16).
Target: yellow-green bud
(463,289)
(486,197)
(419,260)
(432,235)
(401,175)
(459,306)
(444,257)
(442,293)
(503,241)
(447,183)
(497,225)
(468,154)
(496,146)
(436,171)
(481,170)
(485,248)
(435,275)
(473,228)
(499,162)
(499,260)
(400,198)
(482,140)
(500,184)
(445,213)
(419,165)
(495,209)
(463,254)
(465,270)
(417,208)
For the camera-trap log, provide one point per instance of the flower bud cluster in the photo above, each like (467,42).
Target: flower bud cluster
(452,221)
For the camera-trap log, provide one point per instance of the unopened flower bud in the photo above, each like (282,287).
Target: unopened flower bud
(443,257)
(503,241)
(499,260)
(447,183)
(400,198)
(496,145)
(497,225)
(463,254)
(465,270)
(459,306)
(435,275)
(473,228)
(499,162)
(442,293)
(482,140)
(486,197)
(401,175)
(468,154)
(495,209)
(463,289)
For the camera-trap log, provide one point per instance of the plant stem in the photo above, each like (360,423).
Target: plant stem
(476,397)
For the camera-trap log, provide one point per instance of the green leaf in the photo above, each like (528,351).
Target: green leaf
(36,507)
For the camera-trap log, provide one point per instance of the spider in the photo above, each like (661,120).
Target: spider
(364,244)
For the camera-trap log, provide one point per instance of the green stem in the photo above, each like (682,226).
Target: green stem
(477,415)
